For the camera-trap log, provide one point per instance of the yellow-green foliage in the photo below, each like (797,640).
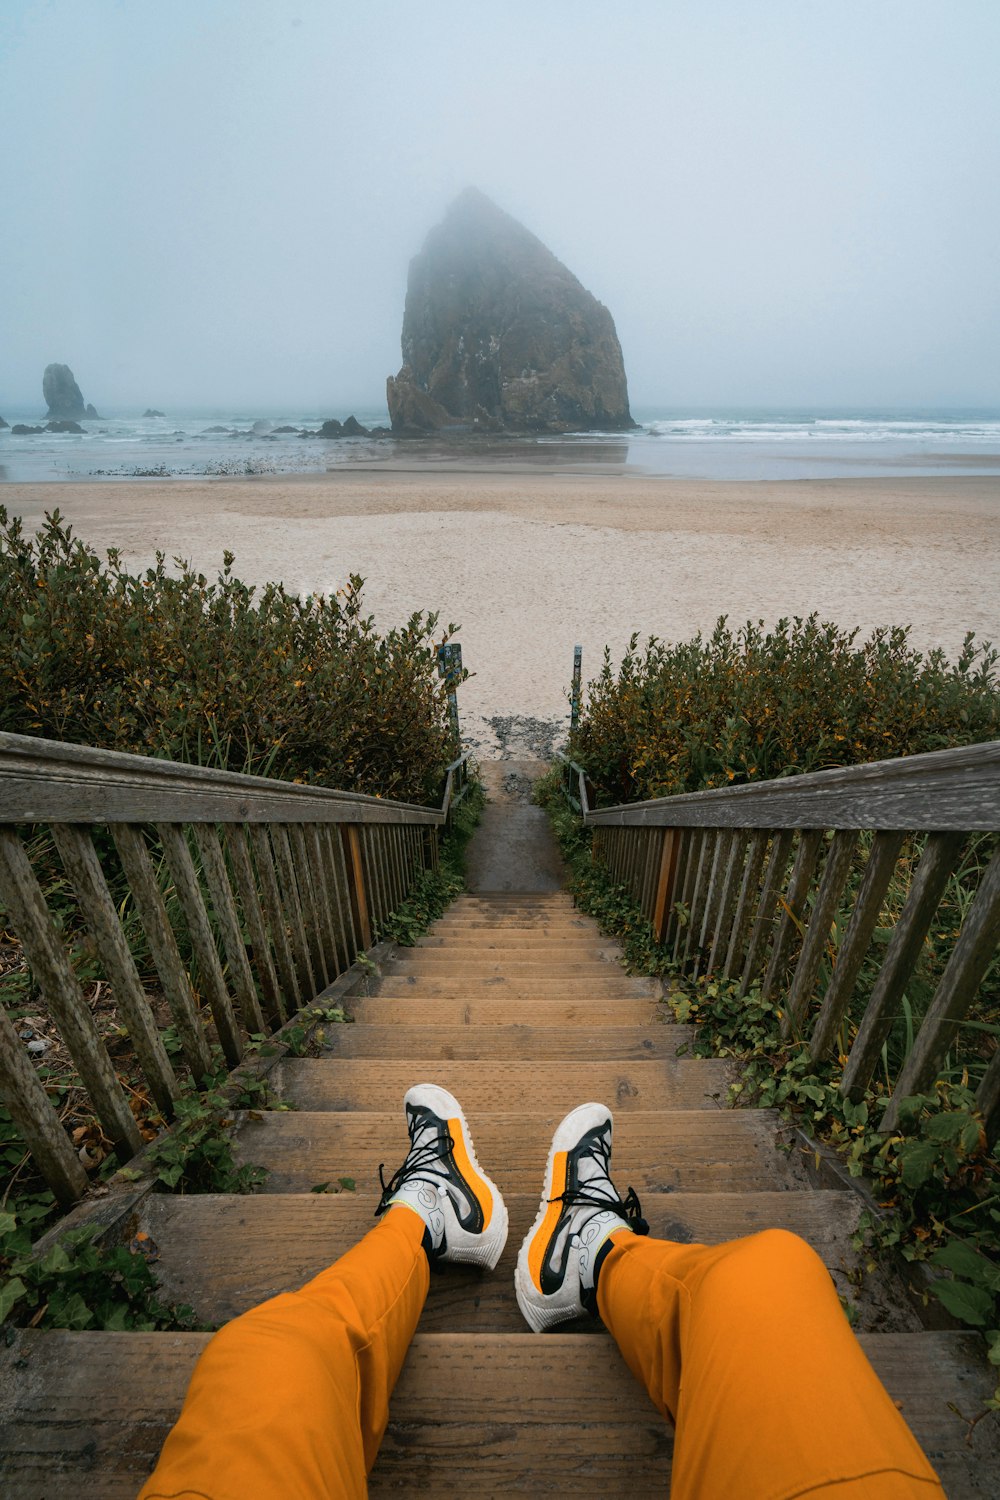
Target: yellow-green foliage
(750,704)
(168,664)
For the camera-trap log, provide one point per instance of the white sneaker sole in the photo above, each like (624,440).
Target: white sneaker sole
(466,1249)
(540,1310)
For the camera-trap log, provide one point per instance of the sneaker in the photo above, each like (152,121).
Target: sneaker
(558,1264)
(442,1181)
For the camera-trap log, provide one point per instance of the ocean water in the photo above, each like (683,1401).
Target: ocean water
(726,444)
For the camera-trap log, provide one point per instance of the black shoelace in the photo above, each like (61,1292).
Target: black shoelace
(629,1208)
(414,1168)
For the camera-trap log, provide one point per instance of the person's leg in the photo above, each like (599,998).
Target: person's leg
(291,1400)
(745,1345)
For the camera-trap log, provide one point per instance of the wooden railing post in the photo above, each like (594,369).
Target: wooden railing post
(351,834)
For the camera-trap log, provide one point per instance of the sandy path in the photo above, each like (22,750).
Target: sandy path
(530,563)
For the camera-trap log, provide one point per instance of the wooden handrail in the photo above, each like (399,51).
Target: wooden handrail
(751,883)
(275,889)
(941,789)
(44,780)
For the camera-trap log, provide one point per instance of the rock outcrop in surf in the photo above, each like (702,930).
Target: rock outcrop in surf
(63,395)
(498,336)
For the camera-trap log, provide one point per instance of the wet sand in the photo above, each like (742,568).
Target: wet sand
(531,561)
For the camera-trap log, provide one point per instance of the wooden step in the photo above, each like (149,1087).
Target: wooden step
(365,1083)
(436,987)
(568,1043)
(544,925)
(660,1151)
(507,1012)
(426,963)
(221,1255)
(87,1413)
(588,946)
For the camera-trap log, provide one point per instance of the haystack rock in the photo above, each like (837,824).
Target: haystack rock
(498,336)
(63,395)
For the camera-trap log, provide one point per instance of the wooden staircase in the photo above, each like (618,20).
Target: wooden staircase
(519,1006)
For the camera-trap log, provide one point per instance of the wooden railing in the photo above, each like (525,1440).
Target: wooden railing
(252,896)
(751,883)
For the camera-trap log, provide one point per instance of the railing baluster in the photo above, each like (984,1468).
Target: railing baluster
(356,883)
(263,962)
(683,887)
(940,855)
(79,857)
(735,862)
(324,900)
(881,863)
(333,854)
(705,853)
(763,926)
(745,904)
(794,905)
(217,878)
(22,897)
(828,897)
(289,891)
(213,984)
(373,878)
(174,978)
(277,921)
(310,908)
(964,971)
(721,846)
(36,1120)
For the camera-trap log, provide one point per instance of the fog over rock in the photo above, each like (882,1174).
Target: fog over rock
(498,335)
(63,395)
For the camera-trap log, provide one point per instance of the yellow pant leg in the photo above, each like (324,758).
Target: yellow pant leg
(746,1347)
(290,1401)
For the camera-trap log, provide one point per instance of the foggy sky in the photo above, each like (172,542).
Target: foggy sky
(214,202)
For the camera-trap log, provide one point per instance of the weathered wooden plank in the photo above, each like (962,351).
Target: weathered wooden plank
(828,898)
(277,923)
(694,867)
(588,1429)
(214,866)
(291,905)
(945,789)
(21,896)
(964,971)
(222,1255)
(36,1120)
(368,1084)
(936,863)
(541,1040)
(263,961)
(660,1151)
(79,858)
(746,903)
(210,975)
(44,781)
(145,893)
(857,939)
(793,908)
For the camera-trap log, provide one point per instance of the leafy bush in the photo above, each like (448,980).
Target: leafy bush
(751,704)
(219,674)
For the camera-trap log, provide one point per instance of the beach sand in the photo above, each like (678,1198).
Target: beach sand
(529,562)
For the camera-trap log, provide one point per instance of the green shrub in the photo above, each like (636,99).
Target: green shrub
(751,704)
(219,674)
